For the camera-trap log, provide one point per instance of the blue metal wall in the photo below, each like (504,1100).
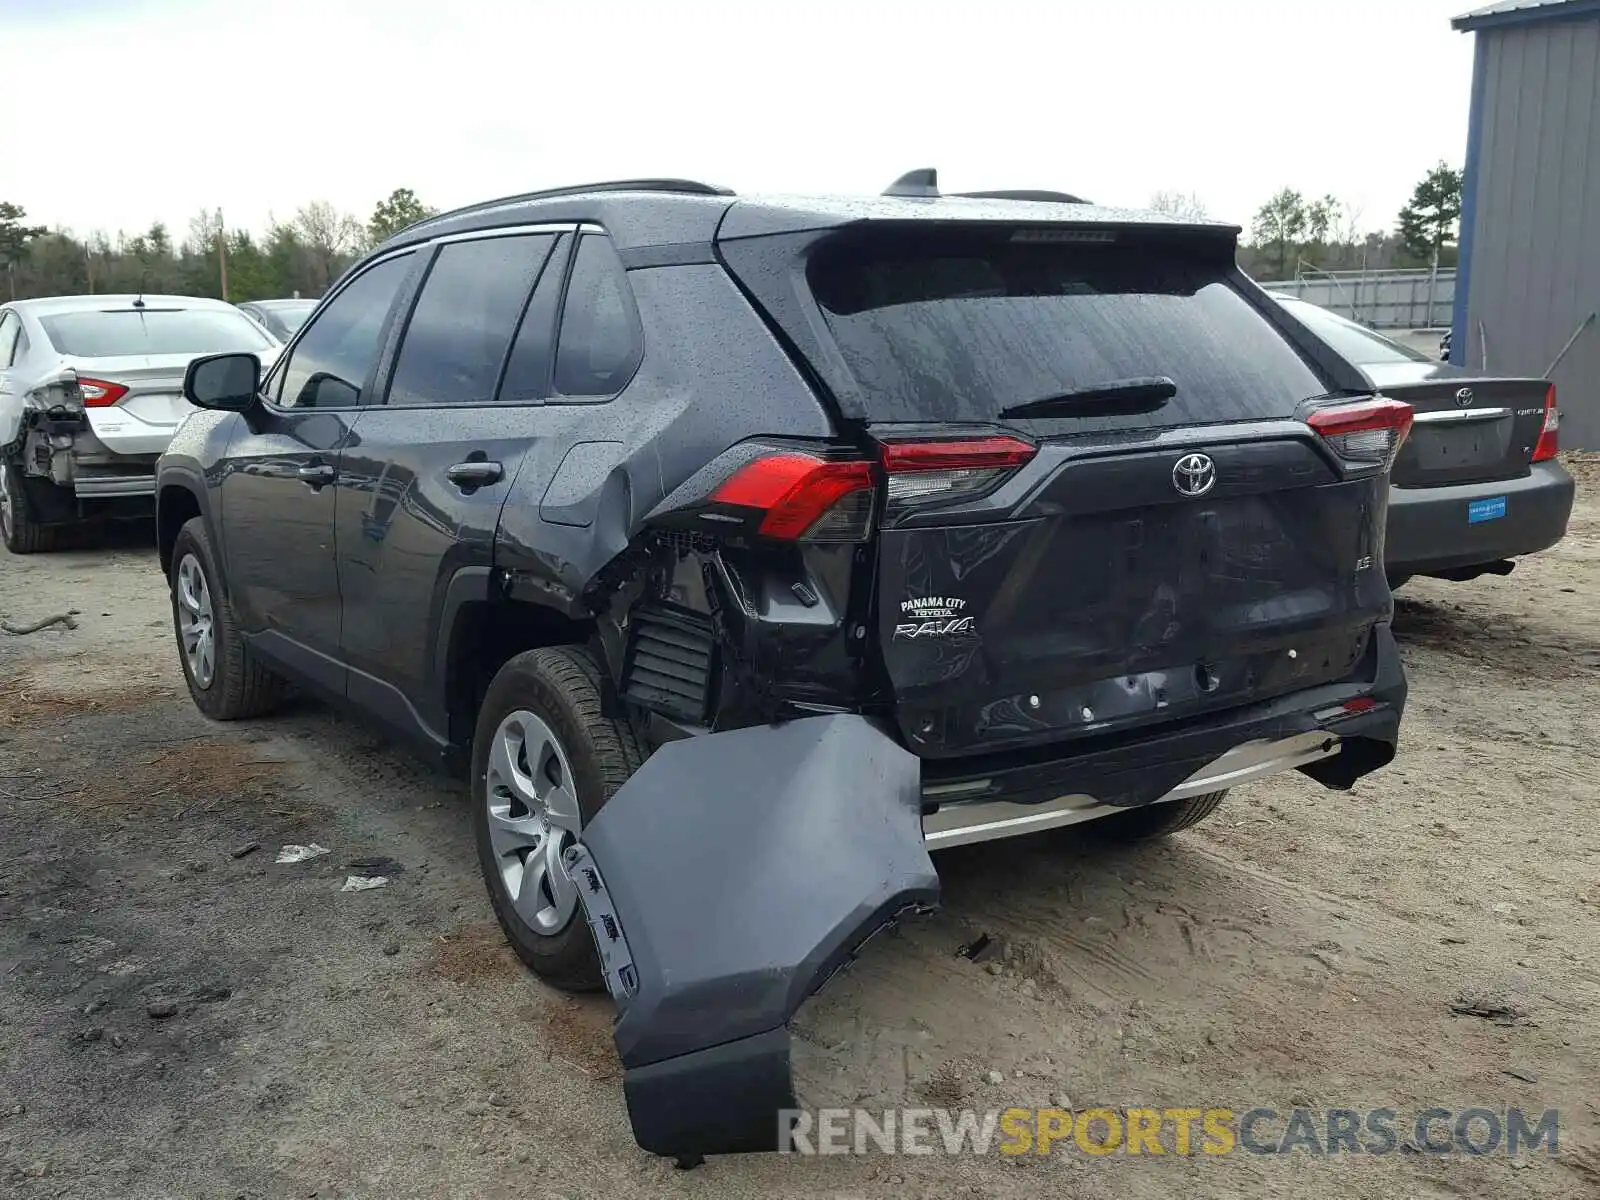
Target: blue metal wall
(1530,253)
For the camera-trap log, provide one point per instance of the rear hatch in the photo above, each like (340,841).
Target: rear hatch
(1162,537)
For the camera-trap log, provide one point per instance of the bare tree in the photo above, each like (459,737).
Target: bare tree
(1186,206)
(1349,224)
(204,228)
(330,238)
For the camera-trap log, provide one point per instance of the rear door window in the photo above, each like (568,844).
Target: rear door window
(464,319)
(527,374)
(958,326)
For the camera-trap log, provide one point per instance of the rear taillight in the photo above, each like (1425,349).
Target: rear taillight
(97,393)
(803,496)
(919,472)
(1366,433)
(1549,437)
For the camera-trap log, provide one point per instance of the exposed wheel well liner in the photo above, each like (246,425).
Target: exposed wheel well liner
(486,634)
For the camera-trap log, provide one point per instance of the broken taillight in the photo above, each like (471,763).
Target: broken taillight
(921,471)
(98,393)
(1549,437)
(1366,433)
(804,496)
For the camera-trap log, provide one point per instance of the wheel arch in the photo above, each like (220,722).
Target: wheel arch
(177,503)
(480,629)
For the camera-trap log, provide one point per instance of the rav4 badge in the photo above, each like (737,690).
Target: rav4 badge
(934,616)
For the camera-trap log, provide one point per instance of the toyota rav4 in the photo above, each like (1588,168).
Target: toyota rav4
(745,550)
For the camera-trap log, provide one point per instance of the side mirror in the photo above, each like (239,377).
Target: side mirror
(225,381)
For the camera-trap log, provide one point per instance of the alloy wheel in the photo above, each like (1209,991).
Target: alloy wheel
(196,621)
(6,516)
(533,818)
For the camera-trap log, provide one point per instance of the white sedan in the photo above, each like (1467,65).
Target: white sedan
(91,392)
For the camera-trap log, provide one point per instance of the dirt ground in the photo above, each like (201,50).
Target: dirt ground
(182,1018)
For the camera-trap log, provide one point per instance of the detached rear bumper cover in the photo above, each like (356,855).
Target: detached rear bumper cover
(725,882)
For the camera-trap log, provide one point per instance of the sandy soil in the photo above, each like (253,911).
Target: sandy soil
(178,1021)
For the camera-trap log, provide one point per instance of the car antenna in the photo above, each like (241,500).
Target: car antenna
(138,301)
(924,181)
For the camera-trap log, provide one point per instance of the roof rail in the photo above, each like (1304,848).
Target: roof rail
(1042,197)
(684,187)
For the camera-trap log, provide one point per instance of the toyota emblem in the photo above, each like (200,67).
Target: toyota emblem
(1194,474)
(1464,398)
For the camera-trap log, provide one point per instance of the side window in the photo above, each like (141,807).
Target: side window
(464,318)
(331,361)
(527,377)
(600,344)
(10,330)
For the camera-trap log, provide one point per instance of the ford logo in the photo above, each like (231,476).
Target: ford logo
(1194,474)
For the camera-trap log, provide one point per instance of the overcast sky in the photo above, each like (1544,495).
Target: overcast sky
(120,112)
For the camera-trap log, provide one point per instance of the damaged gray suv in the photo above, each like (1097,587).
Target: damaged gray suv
(744,550)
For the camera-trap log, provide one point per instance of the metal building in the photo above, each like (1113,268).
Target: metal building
(1529,277)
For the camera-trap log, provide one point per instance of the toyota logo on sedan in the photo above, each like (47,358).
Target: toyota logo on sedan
(1194,474)
(1464,398)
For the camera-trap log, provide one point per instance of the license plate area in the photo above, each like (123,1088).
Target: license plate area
(1477,443)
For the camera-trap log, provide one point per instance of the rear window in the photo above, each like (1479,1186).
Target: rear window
(957,327)
(1354,343)
(151,331)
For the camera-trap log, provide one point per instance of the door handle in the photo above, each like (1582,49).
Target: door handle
(475,474)
(316,476)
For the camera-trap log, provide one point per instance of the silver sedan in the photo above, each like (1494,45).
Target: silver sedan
(91,392)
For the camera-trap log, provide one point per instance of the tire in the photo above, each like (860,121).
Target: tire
(539,697)
(1150,821)
(236,685)
(19,524)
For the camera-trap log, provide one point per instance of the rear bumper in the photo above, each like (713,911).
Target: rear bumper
(1429,531)
(959,824)
(735,872)
(1308,731)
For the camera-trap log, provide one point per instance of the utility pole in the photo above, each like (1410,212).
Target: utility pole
(222,252)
